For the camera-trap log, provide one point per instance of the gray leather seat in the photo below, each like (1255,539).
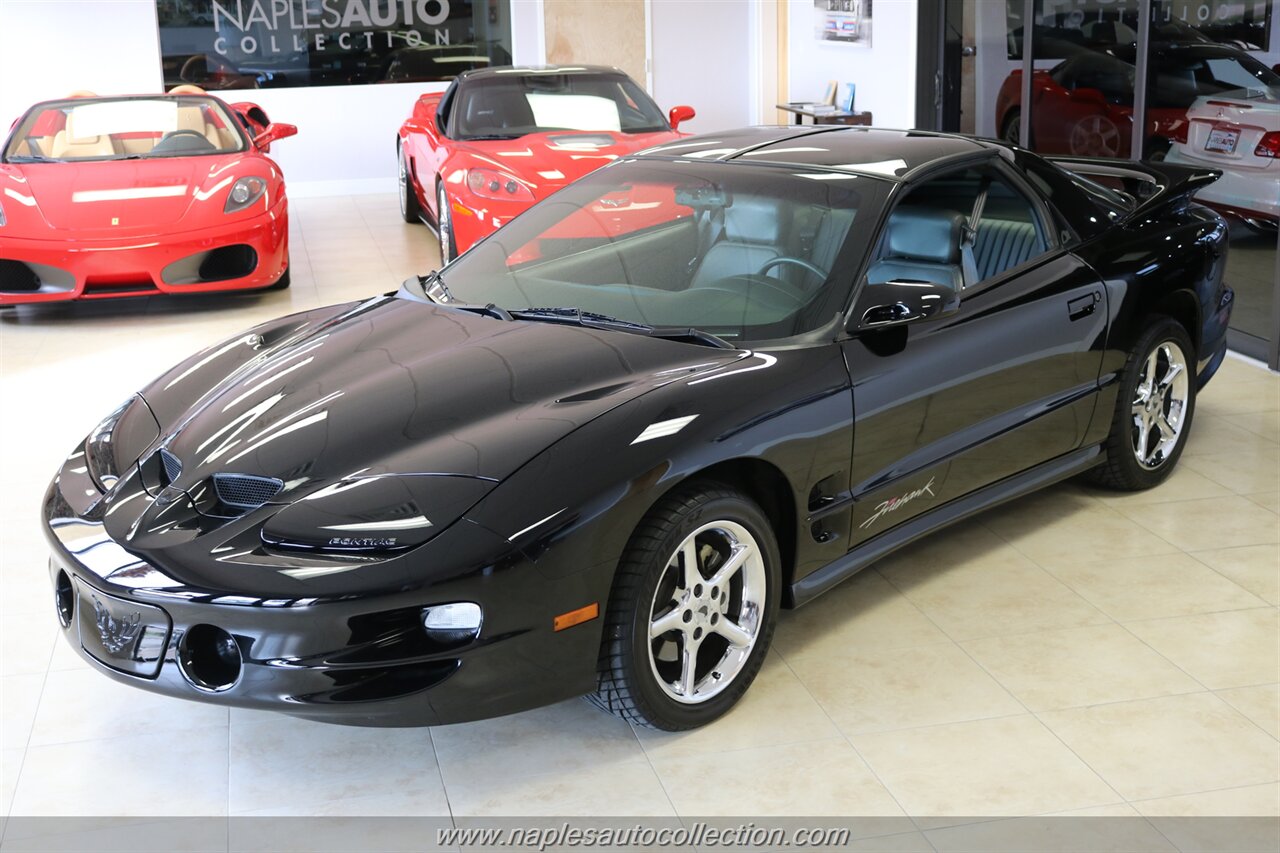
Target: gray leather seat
(921,244)
(752,231)
(1002,244)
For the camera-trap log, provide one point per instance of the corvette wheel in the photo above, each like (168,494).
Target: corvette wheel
(692,611)
(1153,411)
(1012,131)
(409,209)
(1095,136)
(444,226)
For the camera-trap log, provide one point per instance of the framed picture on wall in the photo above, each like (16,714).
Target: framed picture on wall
(846,22)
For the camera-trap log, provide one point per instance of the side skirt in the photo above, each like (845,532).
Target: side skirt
(811,586)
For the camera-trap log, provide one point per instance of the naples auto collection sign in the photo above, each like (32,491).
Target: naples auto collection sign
(278,26)
(1063,26)
(233,44)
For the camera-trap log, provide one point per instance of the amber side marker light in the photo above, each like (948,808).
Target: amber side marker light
(577,617)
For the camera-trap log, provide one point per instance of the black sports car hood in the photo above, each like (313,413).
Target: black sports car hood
(395,386)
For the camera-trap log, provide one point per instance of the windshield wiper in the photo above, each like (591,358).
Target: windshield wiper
(579,317)
(434,278)
(31,158)
(484,137)
(591,319)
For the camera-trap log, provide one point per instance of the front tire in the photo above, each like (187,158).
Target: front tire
(1011,132)
(1154,407)
(444,226)
(410,211)
(692,612)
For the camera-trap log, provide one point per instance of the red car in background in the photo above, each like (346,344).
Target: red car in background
(499,139)
(1084,105)
(138,195)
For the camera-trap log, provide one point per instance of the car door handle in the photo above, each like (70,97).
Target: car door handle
(1083,306)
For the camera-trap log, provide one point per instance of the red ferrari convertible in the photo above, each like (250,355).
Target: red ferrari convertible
(499,139)
(131,196)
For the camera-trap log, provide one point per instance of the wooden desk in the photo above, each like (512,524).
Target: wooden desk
(803,111)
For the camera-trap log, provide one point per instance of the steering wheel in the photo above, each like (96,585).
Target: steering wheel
(173,134)
(816,270)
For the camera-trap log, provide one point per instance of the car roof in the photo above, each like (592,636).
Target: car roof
(895,155)
(526,70)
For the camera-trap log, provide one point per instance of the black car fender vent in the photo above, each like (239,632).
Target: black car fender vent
(172,466)
(245,491)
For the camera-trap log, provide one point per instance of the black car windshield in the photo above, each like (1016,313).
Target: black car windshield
(511,104)
(745,253)
(124,128)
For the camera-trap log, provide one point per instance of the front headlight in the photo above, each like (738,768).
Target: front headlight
(244,192)
(1,214)
(489,183)
(99,452)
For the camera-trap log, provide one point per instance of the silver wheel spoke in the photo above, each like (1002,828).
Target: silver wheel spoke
(665,624)
(1144,434)
(1167,429)
(731,566)
(688,666)
(1169,375)
(689,557)
(734,633)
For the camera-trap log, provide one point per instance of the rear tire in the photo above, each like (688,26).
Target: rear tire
(1154,408)
(410,210)
(680,649)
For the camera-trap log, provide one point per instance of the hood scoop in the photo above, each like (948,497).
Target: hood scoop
(244,492)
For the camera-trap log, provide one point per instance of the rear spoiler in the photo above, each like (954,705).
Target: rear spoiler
(1152,186)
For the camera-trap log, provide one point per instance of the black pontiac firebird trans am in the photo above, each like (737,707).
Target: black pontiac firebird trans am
(599,451)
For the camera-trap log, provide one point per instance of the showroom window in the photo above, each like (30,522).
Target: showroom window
(268,44)
(1193,82)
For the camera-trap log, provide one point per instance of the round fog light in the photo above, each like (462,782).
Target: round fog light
(452,623)
(65,597)
(209,658)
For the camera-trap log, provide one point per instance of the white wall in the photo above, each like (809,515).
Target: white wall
(885,73)
(346,134)
(703,56)
(49,48)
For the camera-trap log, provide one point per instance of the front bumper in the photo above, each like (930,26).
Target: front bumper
(356,660)
(71,269)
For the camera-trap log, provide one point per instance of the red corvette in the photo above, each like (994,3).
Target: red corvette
(499,139)
(137,195)
(1084,105)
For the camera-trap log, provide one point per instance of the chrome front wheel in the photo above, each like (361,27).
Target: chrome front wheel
(706,613)
(444,226)
(692,609)
(409,210)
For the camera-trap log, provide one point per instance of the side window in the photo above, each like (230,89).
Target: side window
(931,234)
(445,111)
(1008,231)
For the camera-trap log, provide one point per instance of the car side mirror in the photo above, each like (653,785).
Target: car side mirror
(898,302)
(1089,96)
(274,133)
(680,114)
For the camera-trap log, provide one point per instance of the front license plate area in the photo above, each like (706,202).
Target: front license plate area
(1222,141)
(121,634)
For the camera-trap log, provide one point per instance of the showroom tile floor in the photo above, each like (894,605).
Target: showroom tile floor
(1076,650)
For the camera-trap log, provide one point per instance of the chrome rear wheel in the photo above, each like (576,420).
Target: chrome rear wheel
(1160,405)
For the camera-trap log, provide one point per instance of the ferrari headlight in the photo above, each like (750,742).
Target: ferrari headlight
(244,192)
(100,453)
